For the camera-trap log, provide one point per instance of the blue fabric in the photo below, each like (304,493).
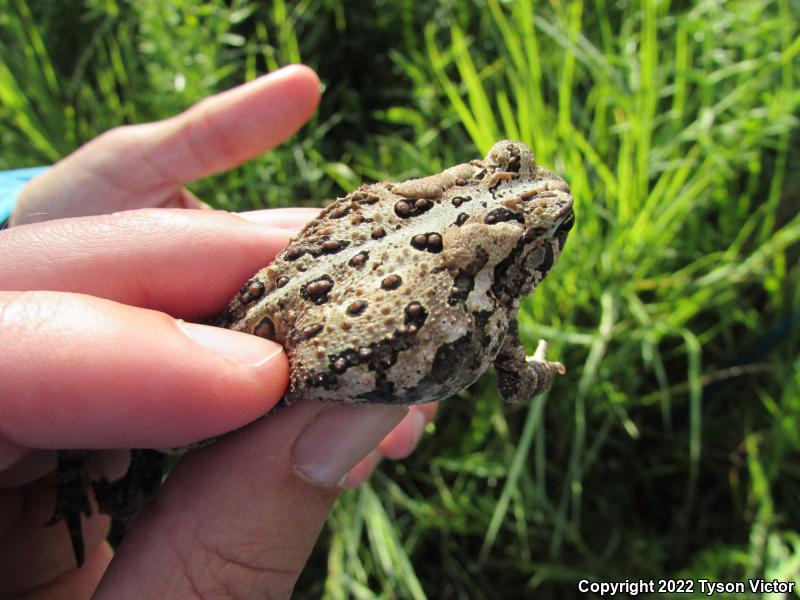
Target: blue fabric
(11,184)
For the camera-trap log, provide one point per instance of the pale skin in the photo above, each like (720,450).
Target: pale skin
(98,352)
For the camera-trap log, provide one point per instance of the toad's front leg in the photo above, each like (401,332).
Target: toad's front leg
(520,377)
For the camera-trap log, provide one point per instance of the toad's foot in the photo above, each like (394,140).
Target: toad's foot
(521,377)
(72,479)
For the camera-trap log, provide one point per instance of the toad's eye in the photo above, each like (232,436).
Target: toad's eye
(566,224)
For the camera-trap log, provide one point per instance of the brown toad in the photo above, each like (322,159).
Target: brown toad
(397,293)
(407,292)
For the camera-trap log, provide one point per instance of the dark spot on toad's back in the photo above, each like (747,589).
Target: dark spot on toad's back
(334,246)
(415,314)
(293,253)
(282,281)
(412,207)
(311,331)
(502,214)
(338,212)
(317,290)
(391,282)
(430,242)
(351,356)
(252,290)
(419,241)
(382,355)
(403,209)
(366,198)
(327,381)
(359,219)
(339,363)
(434,244)
(359,260)
(357,307)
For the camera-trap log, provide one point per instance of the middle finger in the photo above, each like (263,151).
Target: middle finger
(185,263)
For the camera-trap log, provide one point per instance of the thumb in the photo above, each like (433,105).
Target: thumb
(240,518)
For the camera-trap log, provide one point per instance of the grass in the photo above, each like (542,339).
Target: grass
(670,448)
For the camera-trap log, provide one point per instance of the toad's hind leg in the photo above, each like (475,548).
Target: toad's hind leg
(520,377)
(72,480)
(124,498)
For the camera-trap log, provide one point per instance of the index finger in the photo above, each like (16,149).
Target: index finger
(216,134)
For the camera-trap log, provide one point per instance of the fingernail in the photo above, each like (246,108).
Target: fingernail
(339,437)
(286,220)
(242,348)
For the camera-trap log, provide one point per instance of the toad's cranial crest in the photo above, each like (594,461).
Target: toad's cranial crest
(397,293)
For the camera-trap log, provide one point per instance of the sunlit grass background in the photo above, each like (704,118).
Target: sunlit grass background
(670,449)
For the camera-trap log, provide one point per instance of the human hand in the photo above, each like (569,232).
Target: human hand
(147,166)
(90,366)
